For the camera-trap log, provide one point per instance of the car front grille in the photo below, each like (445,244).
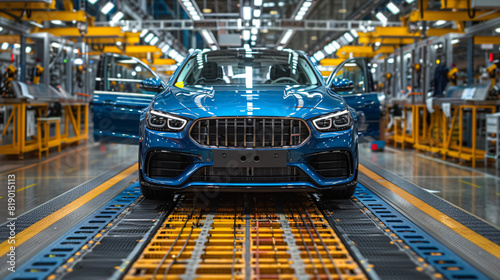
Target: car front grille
(166,164)
(249,132)
(250,175)
(335,164)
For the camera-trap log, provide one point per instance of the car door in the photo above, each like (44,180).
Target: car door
(363,98)
(118,100)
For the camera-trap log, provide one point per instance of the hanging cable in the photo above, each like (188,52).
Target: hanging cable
(470,12)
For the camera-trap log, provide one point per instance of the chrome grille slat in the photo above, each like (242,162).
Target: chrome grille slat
(249,132)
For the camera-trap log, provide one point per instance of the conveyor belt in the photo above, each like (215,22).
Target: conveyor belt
(288,239)
(247,236)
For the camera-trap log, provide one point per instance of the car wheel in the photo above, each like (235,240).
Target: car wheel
(148,193)
(339,194)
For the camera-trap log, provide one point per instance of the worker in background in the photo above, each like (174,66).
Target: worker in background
(452,74)
(492,73)
(440,79)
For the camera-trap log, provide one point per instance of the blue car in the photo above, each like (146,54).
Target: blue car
(234,120)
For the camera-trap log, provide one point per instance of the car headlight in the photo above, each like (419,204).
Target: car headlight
(337,121)
(156,120)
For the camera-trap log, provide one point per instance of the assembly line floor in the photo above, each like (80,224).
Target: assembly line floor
(81,215)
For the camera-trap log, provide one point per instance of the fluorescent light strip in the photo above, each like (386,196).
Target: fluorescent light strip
(393,8)
(286,37)
(107,8)
(381,17)
(208,37)
(117,17)
(247,12)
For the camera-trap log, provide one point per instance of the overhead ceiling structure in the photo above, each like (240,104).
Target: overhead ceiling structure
(324,29)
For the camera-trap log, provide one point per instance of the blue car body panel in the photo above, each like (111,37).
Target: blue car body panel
(366,104)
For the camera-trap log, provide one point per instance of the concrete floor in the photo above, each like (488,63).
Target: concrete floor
(474,190)
(39,180)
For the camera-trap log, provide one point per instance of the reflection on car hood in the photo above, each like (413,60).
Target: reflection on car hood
(271,101)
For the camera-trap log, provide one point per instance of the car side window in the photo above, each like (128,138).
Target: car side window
(352,71)
(124,75)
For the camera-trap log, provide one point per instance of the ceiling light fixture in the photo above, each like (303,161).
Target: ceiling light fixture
(154,41)
(286,37)
(246,35)
(393,8)
(381,17)
(143,33)
(107,8)
(149,37)
(247,12)
(440,22)
(303,10)
(117,17)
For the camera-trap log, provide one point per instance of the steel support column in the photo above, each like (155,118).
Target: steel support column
(470,61)
(22,62)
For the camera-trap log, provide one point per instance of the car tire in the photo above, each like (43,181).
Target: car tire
(339,194)
(344,193)
(149,193)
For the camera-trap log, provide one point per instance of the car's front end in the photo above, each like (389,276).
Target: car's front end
(264,138)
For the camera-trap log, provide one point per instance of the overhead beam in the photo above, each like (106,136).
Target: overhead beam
(366,40)
(452,16)
(454,4)
(19,5)
(91,32)
(141,49)
(331,61)
(495,40)
(41,16)
(235,24)
(402,32)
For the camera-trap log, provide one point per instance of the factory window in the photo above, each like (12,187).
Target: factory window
(352,71)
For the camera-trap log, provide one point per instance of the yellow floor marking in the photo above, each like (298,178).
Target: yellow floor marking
(72,169)
(464,231)
(470,184)
(94,161)
(27,187)
(54,177)
(44,223)
(47,160)
(498,193)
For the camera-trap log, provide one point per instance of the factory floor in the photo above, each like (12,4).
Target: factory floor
(38,180)
(474,190)
(80,214)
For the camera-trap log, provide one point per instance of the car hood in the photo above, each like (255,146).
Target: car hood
(228,101)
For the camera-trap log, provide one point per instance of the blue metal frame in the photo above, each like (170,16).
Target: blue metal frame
(449,264)
(59,252)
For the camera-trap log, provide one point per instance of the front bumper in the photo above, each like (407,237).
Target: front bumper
(202,157)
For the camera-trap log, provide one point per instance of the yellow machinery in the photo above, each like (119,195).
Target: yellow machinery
(76,119)
(492,71)
(441,134)
(38,72)
(452,75)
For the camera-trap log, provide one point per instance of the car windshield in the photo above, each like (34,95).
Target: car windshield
(248,68)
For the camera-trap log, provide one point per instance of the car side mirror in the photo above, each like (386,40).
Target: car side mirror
(151,85)
(342,85)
